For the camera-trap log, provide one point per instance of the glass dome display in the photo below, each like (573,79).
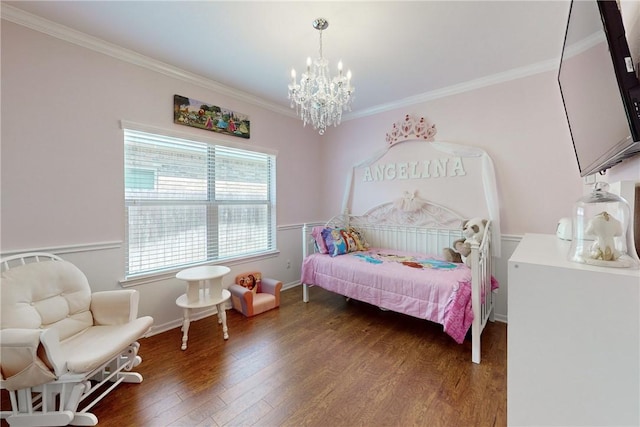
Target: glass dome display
(600,227)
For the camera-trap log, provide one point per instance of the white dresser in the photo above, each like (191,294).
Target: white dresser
(573,339)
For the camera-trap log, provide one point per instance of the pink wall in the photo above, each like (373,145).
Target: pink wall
(62,146)
(521,125)
(62,156)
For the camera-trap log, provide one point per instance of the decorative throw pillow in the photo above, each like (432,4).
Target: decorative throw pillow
(251,281)
(350,239)
(340,241)
(361,242)
(321,246)
(336,244)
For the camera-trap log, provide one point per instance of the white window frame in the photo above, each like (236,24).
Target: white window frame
(168,271)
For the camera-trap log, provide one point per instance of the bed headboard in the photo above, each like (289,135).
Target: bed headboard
(414,168)
(408,223)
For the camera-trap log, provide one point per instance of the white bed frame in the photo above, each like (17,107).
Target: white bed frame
(427,228)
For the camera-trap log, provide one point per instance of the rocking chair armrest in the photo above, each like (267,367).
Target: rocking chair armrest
(115,307)
(30,357)
(54,358)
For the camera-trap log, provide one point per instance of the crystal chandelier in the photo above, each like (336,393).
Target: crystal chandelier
(318,98)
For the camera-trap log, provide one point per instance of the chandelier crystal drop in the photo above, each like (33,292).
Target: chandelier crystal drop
(318,98)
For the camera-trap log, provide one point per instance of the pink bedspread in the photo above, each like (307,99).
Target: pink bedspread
(419,285)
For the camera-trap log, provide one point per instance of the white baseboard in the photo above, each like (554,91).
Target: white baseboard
(290,285)
(158,329)
(211,311)
(501,318)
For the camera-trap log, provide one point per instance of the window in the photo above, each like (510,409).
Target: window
(190,202)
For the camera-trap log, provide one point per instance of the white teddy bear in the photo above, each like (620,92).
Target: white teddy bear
(473,231)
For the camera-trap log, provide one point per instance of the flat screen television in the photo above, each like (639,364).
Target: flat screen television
(599,86)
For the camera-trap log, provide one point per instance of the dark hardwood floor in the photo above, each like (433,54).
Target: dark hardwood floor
(330,362)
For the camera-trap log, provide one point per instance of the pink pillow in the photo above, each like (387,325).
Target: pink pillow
(321,246)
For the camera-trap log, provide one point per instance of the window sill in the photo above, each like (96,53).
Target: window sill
(171,274)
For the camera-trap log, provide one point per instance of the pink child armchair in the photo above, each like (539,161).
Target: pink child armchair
(253,294)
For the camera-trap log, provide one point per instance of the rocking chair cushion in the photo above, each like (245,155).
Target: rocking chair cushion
(56,335)
(114,307)
(22,359)
(88,350)
(92,327)
(46,294)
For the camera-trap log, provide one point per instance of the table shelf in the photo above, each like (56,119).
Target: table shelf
(204,289)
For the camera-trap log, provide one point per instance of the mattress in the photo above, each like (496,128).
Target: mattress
(419,285)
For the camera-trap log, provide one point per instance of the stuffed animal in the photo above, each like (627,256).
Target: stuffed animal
(456,253)
(473,231)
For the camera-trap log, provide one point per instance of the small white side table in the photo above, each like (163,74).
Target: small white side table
(204,289)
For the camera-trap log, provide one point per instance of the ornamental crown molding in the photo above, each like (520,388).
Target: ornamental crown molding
(34,22)
(59,31)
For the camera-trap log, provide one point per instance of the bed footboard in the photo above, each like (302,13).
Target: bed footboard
(482,296)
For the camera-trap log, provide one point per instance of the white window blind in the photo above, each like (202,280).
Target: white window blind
(190,202)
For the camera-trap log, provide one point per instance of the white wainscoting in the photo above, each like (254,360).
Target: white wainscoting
(103,263)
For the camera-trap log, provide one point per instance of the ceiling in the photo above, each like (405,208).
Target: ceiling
(397,51)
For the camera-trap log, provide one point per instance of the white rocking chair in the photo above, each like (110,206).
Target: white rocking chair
(62,347)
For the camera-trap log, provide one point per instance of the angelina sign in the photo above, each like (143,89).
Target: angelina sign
(425,169)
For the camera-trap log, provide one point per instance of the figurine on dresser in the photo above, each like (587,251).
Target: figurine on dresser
(604,228)
(600,227)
